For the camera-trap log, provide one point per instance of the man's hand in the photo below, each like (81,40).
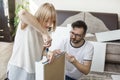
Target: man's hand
(70,58)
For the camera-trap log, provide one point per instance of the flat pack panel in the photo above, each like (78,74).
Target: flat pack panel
(108,35)
(98,61)
(115,77)
(53,71)
(59,34)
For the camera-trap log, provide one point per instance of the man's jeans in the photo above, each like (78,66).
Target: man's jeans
(68,78)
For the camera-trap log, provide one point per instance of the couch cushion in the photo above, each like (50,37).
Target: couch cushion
(113,48)
(111,58)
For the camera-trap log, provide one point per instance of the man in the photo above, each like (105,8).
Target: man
(78,52)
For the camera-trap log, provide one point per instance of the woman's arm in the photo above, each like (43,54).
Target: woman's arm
(29,19)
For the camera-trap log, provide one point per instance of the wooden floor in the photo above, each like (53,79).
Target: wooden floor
(99,76)
(5,53)
(6,50)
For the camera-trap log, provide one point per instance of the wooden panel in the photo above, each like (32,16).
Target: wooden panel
(115,77)
(53,71)
(98,61)
(108,35)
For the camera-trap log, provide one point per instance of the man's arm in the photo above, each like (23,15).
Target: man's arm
(84,68)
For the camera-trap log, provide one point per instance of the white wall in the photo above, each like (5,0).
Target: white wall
(110,6)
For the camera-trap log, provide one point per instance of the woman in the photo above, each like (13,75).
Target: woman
(31,40)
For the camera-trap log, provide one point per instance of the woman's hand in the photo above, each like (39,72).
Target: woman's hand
(47,40)
(23,25)
(52,54)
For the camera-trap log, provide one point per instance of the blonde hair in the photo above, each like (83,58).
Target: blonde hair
(45,12)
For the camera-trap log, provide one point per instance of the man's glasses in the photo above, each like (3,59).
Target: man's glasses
(76,35)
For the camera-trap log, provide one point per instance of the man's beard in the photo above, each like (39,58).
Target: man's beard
(76,41)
